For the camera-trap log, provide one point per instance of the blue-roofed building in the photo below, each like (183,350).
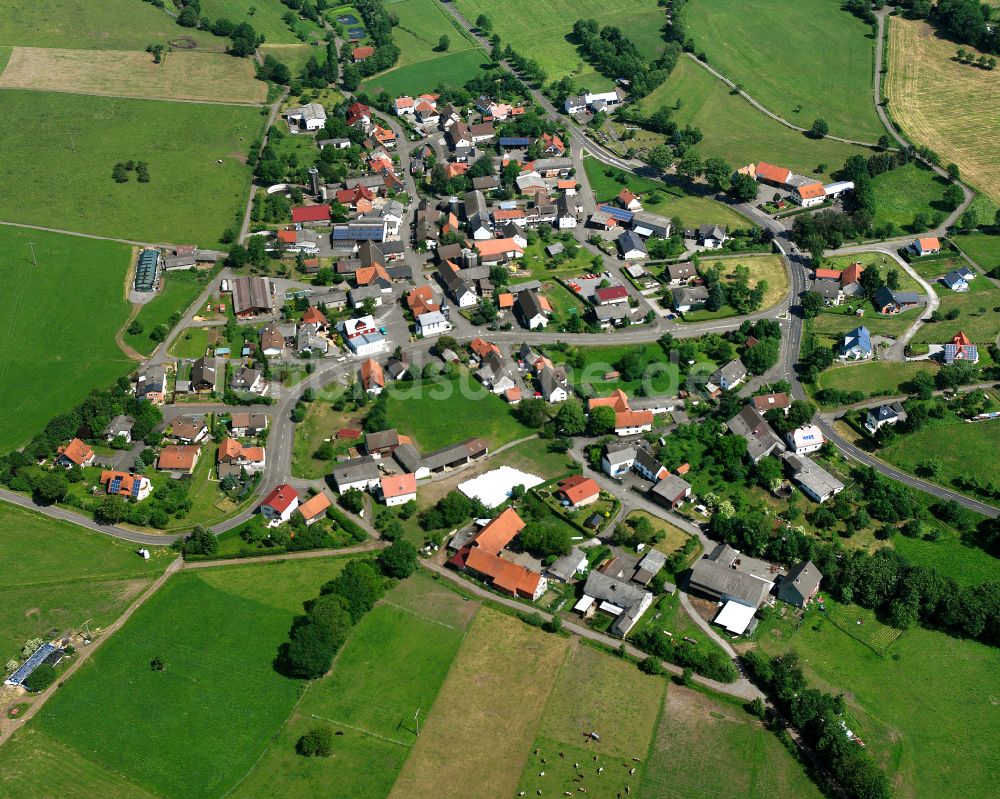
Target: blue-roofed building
(33,662)
(616,213)
(857,345)
(958,279)
(358,232)
(514,142)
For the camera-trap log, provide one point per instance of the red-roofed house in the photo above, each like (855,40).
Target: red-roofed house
(279,505)
(499,532)
(618,400)
(361,53)
(311,214)
(359,113)
(610,295)
(512,395)
(404,105)
(314,508)
(384,136)
(552,144)
(851,275)
(810,194)
(421,301)
(134,486)
(372,377)
(482,348)
(398,489)
(829,274)
(314,316)
(926,246)
(629,200)
(455,169)
(775,175)
(75,453)
(579,490)
(630,423)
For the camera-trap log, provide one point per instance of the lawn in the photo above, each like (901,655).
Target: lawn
(536,262)
(490,707)
(673,537)
(563,301)
(882,261)
(768,268)
(674,202)
(921,709)
(739,133)
(966,564)
(191,344)
(47,372)
(982,248)
(593,692)
(177,291)
(56,575)
(266,18)
(978,316)
(428,413)
(421,24)
(874,378)
(295,56)
(450,70)
(662,375)
(962,448)
(906,191)
(392,665)
(182,75)
(191,198)
(84,24)
(834,83)
(200,725)
(321,423)
(952,108)
(713,749)
(833,323)
(541,31)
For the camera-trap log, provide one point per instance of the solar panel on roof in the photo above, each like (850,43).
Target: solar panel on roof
(116,484)
(617,213)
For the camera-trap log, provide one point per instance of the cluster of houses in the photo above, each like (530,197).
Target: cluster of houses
(283,501)
(806,192)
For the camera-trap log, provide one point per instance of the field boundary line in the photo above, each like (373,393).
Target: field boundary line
(414,613)
(362,730)
(134,97)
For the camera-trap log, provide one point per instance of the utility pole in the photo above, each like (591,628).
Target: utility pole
(33,258)
(416,720)
(86,626)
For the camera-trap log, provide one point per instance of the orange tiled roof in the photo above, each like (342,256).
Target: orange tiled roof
(633,418)
(810,191)
(618,400)
(76,451)
(398,485)
(578,488)
(314,506)
(499,532)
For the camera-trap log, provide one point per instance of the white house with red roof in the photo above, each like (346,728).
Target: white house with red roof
(398,489)
(279,505)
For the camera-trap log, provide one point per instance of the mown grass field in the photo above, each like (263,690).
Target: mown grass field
(487,713)
(738,132)
(767,268)
(107,25)
(45,371)
(295,56)
(190,197)
(192,343)
(593,692)
(197,727)
(266,18)
(762,48)
(58,575)
(540,31)
(977,315)
(952,108)
(874,377)
(421,25)
(674,201)
(962,448)
(429,413)
(450,70)
(982,248)
(714,750)
(322,422)
(968,565)
(834,325)
(904,192)
(393,663)
(182,75)
(178,290)
(926,710)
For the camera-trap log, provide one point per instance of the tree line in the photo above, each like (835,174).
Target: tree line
(965,21)
(617,57)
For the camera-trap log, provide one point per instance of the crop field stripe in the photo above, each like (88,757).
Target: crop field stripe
(419,616)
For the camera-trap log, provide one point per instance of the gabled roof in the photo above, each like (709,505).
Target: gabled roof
(280,498)
(930,243)
(371,374)
(625,419)
(579,488)
(618,400)
(777,174)
(311,213)
(398,485)
(76,451)
(178,456)
(810,191)
(852,274)
(499,532)
(315,506)
(767,402)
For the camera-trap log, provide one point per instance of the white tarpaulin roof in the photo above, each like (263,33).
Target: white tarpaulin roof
(735,617)
(494,487)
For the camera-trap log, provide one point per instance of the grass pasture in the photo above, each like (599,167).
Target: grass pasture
(662,375)
(487,712)
(966,564)
(906,191)
(541,31)
(738,132)
(266,18)
(190,197)
(56,575)
(104,25)
(674,201)
(46,373)
(183,75)
(393,663)
(428,412)
(593,692)
(977,316)
(952,108)
(295,56)
(768,268)
(874,377)
(450,70)
(926,710)
(982,248)
(707,749)
(197,727)
(421,24)
(834,83)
